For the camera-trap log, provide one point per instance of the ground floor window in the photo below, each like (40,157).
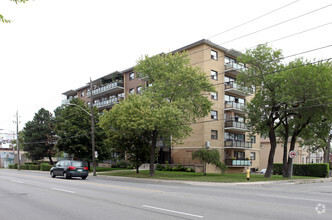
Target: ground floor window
(252,156)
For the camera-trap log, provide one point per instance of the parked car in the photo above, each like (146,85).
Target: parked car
(70,168)
(263,171)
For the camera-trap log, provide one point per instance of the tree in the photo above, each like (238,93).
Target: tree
(293,96)
(263,109)
(73,126)
(305,93)
(4,20)
(129,139)
(38,135)
(176,96)
(209,157)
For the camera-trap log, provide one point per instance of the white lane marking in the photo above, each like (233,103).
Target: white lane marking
(63,190)
(294,198)
(167,210)
(15,181)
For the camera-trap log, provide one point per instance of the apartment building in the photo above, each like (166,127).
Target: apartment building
(223,129)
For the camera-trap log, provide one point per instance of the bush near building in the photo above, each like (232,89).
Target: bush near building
(312,169)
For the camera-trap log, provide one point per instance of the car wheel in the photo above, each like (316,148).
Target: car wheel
(65,176)
(52,174)
(83,177)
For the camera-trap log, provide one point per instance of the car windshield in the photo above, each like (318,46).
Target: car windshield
(78,164)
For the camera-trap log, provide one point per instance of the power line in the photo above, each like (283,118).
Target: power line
(292,35)
(288,20)
(247,22)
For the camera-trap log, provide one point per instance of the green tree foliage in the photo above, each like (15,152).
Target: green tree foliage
(262,110)
(73,126)
(176,96)
(38,136)
(127,133)
(288,97)
(209,157)
(4,20)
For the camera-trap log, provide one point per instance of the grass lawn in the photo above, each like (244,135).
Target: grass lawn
(105,169)
(189,176)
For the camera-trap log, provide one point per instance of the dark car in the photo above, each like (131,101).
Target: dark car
(70,168)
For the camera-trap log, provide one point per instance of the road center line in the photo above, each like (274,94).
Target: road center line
(167,210)
(63,190)
(15,181)
(294,198)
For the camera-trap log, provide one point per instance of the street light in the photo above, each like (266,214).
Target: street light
(92,134)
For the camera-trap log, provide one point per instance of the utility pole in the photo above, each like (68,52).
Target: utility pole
(18,146)
(93,132)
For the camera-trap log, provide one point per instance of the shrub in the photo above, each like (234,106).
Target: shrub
(160,167)
(277,169)
(190,170)
(45,167)
(34,167)
(312,169)
(12,166)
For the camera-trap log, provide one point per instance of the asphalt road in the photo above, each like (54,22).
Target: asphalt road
(35,195)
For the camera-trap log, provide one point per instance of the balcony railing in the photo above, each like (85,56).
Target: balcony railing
(232,87)
(238,163)
(234,67)
(237,144)
(105,88)
(234,105)
(235,124)
(108,102)
(66,101)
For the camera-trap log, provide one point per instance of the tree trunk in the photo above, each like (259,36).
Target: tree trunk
(50,158)
(137,168)
(284,159)
(327,153)
(289,163)
(273,144)
(204,169)
(153,150)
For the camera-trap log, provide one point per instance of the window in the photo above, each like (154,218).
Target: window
(214,114)
(139,88)
(131,76)
(214,134)
(82,94)
(234,136)
(238,118)
(253,139)
(214,95)
(214,75)
(229,79)
(252,156)
(121,95)
(214,55)
(239,155)
(131,91)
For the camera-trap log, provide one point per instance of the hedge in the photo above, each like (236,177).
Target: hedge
(45,167)
(310,169)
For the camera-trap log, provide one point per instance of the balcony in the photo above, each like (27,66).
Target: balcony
(107,103)
(235,126)
(233,88)
(234,68)
(237,163)
(234,107)
(109,88)
(67,101)
(237,144)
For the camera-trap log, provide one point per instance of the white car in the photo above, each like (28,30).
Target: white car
(263,171)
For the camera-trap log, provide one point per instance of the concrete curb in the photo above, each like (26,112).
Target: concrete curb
(197,183)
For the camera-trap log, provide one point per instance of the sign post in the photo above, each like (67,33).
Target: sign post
(292,155)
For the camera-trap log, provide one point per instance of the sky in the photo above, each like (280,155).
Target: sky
(53,46)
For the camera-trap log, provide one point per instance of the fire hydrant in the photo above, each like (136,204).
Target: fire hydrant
(248,174)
